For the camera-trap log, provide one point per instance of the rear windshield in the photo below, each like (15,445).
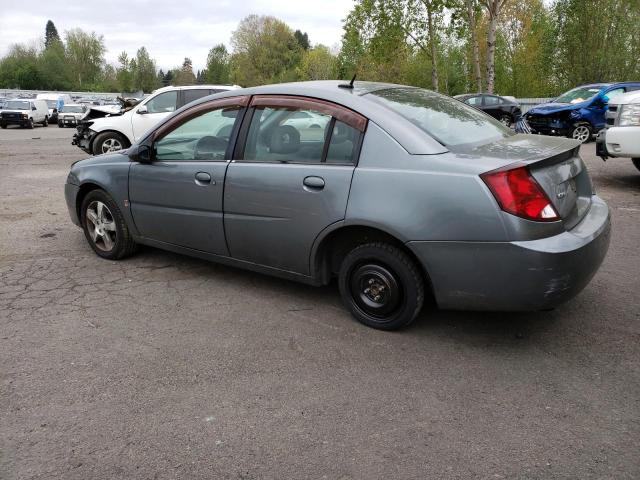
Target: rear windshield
(451,122)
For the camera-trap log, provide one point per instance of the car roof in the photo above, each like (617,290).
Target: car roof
(412,138)
(197,87)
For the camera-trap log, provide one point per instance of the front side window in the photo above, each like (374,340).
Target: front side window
(491,101)
(453,124)
(163,103)
(286,135)
(205,137)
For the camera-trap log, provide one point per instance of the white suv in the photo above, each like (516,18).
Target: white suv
(24,112)
(621,137)
(102,131)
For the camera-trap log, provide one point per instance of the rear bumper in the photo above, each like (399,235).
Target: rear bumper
(517,276)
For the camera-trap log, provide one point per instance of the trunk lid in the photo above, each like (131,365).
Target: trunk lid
(556,165)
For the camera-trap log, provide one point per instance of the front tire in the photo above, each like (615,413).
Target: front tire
(581,132)
(30,124)
(104,226)
(381,286)
(636,162)
(3,125)
(506,120)
(108,142)
(46,122)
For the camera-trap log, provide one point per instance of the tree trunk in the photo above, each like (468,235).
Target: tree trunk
(434,52)
(474,42)
(493,10)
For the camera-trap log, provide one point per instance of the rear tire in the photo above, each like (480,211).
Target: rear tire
(108,142)
(636,162)
(3,125)
(381,286)
(105,227)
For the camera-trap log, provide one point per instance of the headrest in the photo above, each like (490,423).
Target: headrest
(284,139)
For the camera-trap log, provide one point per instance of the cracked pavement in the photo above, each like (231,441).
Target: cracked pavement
(163,366)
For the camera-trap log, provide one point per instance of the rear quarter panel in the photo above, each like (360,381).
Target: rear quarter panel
(421,197)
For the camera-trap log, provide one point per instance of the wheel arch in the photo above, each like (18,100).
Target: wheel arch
(84,190)
(336,241)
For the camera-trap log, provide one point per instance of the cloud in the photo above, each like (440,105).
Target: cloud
(169,30)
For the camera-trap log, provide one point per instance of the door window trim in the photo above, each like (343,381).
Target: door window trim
(349,117)
(202,108)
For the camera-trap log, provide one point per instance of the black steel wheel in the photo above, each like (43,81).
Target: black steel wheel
(381,285)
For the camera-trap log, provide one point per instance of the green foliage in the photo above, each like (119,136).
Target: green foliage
(50,35)
(218,65)
(85,55)
(302,39)
(184,75)
(144,77)
(317,64)
(265,51)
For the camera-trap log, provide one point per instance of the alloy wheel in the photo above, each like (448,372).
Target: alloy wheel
(101,226)
(581,133)
(111,145)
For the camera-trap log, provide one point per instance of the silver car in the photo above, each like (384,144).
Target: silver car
(400,193)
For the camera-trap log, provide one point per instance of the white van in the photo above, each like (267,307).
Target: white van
(52,103)
(24,112)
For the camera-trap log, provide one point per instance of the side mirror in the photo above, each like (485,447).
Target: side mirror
(140,154)
(143,109)
(34,108)
(605,99)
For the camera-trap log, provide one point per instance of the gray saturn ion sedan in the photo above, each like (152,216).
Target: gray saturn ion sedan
(399,192)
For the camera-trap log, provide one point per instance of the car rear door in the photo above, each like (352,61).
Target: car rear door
(286,184)
(177,197)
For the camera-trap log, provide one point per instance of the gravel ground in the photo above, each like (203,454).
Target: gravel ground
(163,366)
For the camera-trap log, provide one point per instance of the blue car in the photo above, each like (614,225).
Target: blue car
(578,113)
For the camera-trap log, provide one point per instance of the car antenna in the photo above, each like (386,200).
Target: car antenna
(350,84)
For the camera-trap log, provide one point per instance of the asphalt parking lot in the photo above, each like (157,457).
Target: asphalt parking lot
(163,366)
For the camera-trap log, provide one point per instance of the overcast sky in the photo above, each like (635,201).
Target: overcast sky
(171,30)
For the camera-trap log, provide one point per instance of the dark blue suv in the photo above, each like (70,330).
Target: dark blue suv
(578,113)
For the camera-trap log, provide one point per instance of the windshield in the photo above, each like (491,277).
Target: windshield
(72,109)
(17,105)
(577,95)
(450,122)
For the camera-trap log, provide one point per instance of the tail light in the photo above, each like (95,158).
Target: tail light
(518,193)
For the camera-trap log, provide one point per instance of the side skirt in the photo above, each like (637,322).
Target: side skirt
(232,262)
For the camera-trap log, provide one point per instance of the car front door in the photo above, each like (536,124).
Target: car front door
(491,105)
(145,116)
(177,197)
(287,183)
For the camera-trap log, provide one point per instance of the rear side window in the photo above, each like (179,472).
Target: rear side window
(194,94)
(491,101)
(453,124)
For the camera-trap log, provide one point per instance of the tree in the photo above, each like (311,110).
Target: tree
(218,65)
(124,74)
(265,51)
(19,68)
(302,39)
(317,64)
(51,36)
(85,56)
(185,76)
(145,72)
(493,9)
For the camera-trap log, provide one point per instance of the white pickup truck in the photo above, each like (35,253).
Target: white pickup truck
(621,135)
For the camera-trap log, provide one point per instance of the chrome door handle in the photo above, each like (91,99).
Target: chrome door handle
(315,183)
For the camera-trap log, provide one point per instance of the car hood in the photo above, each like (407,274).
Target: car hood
(106,158)
(14,111)
(550,108)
